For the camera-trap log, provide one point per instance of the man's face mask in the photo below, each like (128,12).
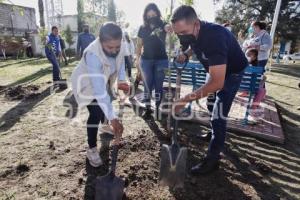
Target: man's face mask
(187,39)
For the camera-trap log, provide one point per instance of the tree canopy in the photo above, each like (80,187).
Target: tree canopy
(112,11)
(240,13)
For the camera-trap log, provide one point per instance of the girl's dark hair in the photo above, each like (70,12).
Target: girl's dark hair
(110,31)
(261,25)
(255,52)
(150,6)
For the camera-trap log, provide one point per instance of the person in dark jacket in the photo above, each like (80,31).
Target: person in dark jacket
(84,39)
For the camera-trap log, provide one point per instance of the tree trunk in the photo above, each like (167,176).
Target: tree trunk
(41,12)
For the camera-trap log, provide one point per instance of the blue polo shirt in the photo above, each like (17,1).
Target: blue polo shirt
(84,39)
(216,45)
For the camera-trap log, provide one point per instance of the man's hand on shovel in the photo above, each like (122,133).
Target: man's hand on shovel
(125,92)
(179,105)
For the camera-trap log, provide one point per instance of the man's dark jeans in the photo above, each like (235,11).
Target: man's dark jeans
(219,106)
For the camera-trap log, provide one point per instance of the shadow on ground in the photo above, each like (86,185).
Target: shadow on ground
(13,115)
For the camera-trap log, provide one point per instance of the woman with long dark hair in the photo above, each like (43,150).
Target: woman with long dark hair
(153,60)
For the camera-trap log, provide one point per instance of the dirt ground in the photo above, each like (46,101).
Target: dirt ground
(43,153)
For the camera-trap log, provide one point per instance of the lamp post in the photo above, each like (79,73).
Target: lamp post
(275,19)
(273,28)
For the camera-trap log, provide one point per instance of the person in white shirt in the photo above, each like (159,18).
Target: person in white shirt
(261,40)
(129,53)
(101,66)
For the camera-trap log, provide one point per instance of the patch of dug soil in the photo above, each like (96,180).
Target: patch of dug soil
(2,87)
(138,165)
(22,168)
(22,92)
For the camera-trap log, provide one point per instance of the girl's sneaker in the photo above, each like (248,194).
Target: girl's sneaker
(94,157)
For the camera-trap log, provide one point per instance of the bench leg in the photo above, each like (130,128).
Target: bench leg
(245,122)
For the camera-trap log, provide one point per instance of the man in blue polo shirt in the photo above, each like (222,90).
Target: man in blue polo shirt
(219,52)
(53,51)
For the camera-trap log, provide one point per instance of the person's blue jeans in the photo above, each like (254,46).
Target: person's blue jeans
(55,66)
(219,107)
(153,72)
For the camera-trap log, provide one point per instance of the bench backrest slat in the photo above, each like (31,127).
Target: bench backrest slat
(195,75)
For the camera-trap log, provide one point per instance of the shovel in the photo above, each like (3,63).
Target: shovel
(62,83)
(111,187)
(173,157)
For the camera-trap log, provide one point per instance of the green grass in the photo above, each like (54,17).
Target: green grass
(33,71)
(282,87)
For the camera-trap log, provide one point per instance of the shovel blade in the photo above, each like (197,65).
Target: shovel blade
(173,174)
(109,187)
(63,84)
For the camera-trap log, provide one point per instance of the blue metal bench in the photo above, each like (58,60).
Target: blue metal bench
(195,75)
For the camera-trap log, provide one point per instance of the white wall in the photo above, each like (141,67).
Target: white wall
(70,20)
(20,18)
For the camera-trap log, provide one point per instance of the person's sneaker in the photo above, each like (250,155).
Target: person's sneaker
(55,84)
(207,166)
(205,137)
(94,157)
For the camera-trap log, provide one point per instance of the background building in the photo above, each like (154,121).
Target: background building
(17,22)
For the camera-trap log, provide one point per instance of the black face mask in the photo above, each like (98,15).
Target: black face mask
(187,39)
(155,21)
(112,55)
(86,30)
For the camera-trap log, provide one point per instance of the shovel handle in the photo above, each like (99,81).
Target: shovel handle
(115,147)
(114,158)
(177,96)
